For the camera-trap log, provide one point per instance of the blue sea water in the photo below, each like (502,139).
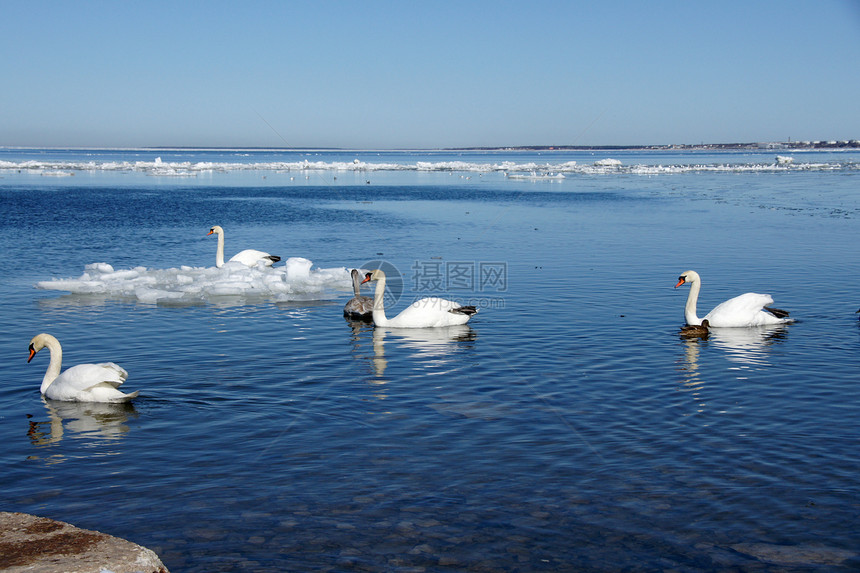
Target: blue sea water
(567,427)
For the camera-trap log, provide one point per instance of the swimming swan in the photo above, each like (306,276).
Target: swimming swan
(359,307)
(248,257)
(81,383)
(749,309)
(424,313)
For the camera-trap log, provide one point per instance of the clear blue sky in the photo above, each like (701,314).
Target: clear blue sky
(402,74)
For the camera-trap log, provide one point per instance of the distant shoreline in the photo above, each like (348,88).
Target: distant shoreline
(795,145)
(850,144)
(750,146)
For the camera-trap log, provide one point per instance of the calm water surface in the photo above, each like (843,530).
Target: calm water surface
(567,427)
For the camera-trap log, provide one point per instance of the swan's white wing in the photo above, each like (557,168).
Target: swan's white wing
(744,310)
(83,378)
(250,257)
(429,312)
(105,393)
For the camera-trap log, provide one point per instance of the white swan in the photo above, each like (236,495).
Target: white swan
(424,313)
(359,307)
(749,309)
(248,257)
(81,383)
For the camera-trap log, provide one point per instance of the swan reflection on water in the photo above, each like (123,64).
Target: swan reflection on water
(427,343)
(749,346)
(691,377)
(430,343)
(91,420)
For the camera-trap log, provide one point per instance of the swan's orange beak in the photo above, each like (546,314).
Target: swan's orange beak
(366,278)
(681,281)
(32,354)
(209,233)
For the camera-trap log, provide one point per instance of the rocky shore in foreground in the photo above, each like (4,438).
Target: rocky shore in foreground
(41,545)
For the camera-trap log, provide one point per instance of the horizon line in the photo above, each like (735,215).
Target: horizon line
(817,144)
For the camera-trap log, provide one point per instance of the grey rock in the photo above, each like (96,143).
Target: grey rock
(41,545)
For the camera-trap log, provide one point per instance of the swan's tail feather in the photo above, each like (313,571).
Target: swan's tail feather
(467,310)
(777,312)
(131,396)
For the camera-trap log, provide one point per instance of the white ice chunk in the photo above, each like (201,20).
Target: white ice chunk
(296,280)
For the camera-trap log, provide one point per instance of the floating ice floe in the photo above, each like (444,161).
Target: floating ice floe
(535,176)
(294,281)
(161,168)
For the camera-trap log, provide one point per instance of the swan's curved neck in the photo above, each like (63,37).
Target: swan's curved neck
(379,317)
(54,366)
(692,298)
(219,254)
(356,284)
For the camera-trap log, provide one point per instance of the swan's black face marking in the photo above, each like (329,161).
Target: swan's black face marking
(32,353)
